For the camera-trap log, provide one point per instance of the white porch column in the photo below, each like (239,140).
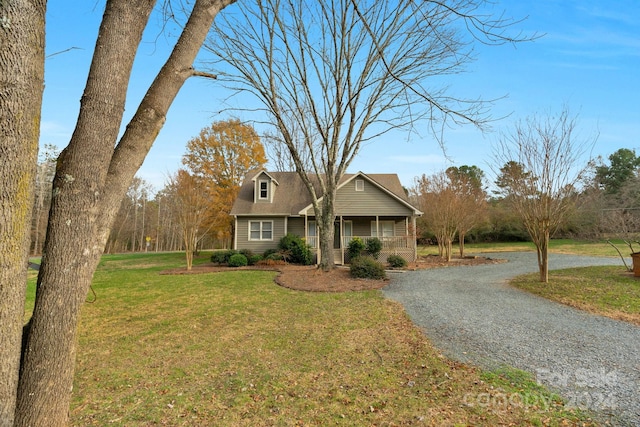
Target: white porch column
(415,238)
(341,242)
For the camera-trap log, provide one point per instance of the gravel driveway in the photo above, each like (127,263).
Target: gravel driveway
(471,315)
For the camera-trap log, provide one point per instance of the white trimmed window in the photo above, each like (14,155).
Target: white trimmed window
(359,184)
(387,229)
(263,190)
(260,230)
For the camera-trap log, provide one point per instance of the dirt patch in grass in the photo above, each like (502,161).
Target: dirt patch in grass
(311,278)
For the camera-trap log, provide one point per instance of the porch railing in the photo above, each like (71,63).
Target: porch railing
(394,242)
(396,245)
(388,243)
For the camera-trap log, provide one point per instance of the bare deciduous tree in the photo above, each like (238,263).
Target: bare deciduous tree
(332,75)
(542,160)
(452,202)
(191,203)
(439,205)
(471,199)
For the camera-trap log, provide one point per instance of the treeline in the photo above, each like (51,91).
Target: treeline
(190,212)
(460,204)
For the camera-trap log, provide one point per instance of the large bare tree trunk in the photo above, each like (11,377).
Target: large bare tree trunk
(75,235)
(91,179)
(326,219)
(21,86)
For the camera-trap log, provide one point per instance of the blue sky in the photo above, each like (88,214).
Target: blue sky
(588,60)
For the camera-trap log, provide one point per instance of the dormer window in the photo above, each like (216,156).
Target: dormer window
(263,190)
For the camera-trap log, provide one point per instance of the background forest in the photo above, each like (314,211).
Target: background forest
(606,205)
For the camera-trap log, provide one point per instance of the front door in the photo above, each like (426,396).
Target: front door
(336,235)
(342,234)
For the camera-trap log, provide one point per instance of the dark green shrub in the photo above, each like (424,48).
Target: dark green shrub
(246,252)
(237,260)
(222,257)
(297,249)
(367,268)
(373,247)
(355,247)
(396,261)
(268,252)
(274,256)
(287,241)
(254,259)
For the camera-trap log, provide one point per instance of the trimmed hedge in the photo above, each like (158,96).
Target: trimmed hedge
(222,257)
(367,268)
(238,260)
(396,261)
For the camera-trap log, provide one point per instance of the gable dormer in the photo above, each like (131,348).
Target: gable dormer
(264,187)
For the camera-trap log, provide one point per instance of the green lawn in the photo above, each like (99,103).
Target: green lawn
(610,291)
(594,248)
(234,349)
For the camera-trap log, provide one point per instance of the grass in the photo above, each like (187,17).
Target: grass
(568,246)
(234,349)
(609,291)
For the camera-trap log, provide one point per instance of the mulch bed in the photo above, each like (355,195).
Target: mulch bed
(312,279)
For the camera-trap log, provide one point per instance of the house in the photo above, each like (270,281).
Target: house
(271,204)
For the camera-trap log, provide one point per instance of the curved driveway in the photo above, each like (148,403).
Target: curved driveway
(471,315)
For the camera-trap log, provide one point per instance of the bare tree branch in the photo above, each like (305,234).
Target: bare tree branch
(335,74)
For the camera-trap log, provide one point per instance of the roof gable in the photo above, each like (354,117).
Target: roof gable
(293,198)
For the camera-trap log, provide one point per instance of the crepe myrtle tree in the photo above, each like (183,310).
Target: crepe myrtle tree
(92,176)
(333,75)
(542,168)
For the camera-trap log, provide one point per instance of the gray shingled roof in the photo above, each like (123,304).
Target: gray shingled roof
(292,196)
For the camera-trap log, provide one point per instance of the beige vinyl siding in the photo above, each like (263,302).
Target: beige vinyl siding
(371,200)
(296,226)
(259,246)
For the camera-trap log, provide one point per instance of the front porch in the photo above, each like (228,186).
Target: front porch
(395,233)
(396,245)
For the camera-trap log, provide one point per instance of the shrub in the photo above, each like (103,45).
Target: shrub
(268,252)
(237,260)
(367,268)
(222,257)
(298,250)
(246,252)
(373,247)
(396,261)
(254,259)
(355,247)
(274,256)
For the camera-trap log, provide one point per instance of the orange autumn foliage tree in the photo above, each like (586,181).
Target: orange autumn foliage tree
(221,155)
